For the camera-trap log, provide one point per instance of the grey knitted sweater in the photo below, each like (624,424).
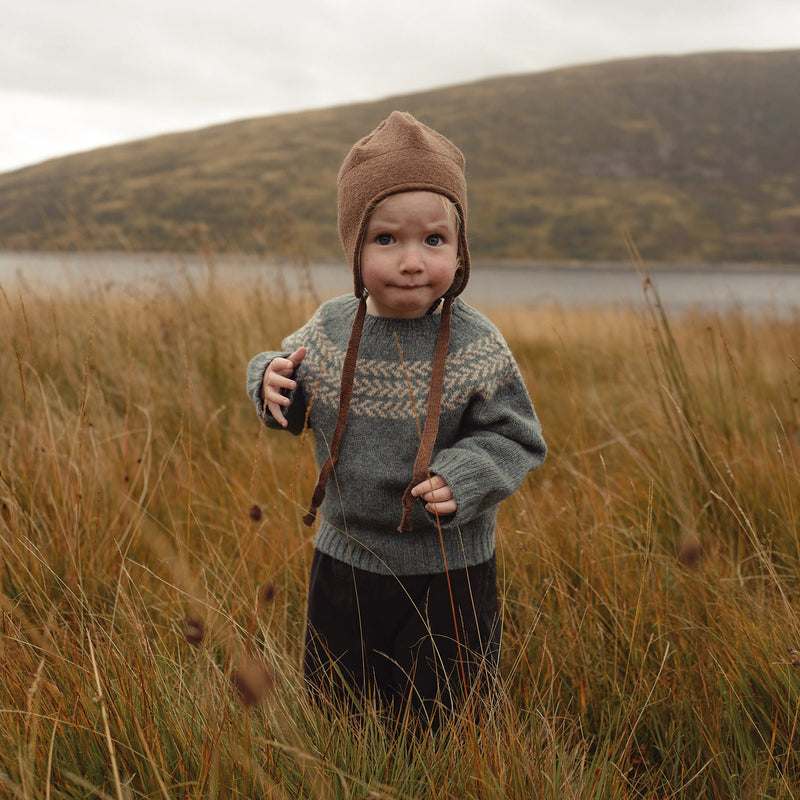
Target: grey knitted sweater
(489,436)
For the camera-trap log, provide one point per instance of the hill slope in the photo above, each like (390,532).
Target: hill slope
(696,156)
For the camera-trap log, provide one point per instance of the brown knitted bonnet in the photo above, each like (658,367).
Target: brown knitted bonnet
(400,155)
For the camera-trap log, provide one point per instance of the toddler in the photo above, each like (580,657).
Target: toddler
(422,425)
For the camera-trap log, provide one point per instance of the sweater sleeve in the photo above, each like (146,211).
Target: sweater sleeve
(501,443)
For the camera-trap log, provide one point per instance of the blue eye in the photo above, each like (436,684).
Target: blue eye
(384,238)
(434,240)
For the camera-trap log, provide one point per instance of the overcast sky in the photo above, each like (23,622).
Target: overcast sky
(79,74)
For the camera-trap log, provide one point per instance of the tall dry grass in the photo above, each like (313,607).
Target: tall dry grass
(154,563)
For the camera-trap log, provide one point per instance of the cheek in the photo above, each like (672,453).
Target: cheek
(370,273)
(446,270)
(367,266)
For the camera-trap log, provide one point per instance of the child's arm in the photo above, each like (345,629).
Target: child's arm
(277,377)
(500,442)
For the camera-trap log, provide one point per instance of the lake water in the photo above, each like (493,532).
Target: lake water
(680,286)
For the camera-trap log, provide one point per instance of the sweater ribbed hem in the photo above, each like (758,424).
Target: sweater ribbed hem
(406,552)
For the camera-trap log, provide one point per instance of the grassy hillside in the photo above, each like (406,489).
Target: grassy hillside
(695,156)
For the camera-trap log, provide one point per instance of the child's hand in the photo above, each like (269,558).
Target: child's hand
(437,495)
(279,376)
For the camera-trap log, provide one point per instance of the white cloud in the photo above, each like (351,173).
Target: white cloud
(86,72)
(38,127)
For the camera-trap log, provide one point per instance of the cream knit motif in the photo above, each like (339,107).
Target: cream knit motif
(383,386)
(489,436)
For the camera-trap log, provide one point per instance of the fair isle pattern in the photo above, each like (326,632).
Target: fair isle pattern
(478,369)
(360,514)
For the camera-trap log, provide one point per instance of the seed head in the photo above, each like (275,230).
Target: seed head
(690,550)
(267,593)
(252,680)
(194,629)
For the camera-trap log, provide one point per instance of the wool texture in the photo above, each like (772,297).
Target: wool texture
(488,438)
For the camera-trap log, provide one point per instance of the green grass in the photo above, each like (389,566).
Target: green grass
(648,571)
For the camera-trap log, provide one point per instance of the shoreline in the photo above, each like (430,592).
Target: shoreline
(708,267)
(216,259)
(755,287)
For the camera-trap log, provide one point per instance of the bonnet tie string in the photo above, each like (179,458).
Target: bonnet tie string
(431,429)
(345,393)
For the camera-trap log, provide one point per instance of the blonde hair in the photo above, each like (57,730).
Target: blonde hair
(452,211)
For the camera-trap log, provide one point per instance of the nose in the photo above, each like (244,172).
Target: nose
(412,260)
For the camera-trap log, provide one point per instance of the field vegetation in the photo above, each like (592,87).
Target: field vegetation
(153,563)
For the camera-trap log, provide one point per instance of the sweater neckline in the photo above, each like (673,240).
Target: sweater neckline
(427,322)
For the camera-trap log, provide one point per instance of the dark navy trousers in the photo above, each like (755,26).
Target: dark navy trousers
(422,642)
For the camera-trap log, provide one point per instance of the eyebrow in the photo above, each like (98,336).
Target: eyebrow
(445,222)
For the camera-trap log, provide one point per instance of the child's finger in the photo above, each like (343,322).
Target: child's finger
(281,366)
(275,397)
(297,357)
(281,381)
(434,484)
(448,507)
(277,414)
(438,495)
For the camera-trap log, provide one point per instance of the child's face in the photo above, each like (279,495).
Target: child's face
(410,254)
